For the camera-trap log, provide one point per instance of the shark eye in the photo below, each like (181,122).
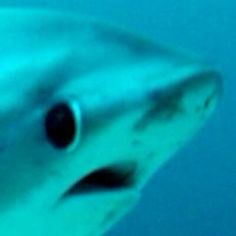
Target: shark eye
(60,125)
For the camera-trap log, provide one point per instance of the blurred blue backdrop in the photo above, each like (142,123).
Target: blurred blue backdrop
(195,193)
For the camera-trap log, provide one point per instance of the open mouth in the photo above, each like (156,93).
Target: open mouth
(110,178)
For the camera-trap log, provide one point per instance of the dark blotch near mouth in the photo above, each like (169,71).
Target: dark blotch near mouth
(109,178)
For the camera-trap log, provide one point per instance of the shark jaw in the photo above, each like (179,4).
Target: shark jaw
(132,105)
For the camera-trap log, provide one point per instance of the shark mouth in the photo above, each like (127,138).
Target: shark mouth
(106,179)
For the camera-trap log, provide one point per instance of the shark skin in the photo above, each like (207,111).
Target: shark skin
(130,105)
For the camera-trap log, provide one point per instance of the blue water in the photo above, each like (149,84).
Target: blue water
(195,193)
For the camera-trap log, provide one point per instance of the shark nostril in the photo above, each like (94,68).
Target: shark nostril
(105,179)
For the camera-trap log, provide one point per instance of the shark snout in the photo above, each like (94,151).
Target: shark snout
(195,95)
(142,138)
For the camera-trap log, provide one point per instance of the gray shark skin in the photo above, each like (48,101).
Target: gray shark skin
(88,112)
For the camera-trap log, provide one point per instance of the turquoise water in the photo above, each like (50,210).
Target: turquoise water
(194,194)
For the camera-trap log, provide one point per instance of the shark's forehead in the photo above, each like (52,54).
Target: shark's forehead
(38,37)
(133,103)
(26,32)
(38,44)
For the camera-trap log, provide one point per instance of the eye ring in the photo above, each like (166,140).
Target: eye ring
(63,125)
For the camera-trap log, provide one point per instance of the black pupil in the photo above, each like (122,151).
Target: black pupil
(60,125)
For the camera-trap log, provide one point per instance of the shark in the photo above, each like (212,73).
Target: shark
(88,113)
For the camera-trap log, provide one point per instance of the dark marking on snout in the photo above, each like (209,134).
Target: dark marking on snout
(112,213)
(207,103)
(164,107)
(209,100)
(136,45)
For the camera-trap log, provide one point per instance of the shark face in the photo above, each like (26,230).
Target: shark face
(88,112)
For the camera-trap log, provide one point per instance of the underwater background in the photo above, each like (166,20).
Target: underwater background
(194,194)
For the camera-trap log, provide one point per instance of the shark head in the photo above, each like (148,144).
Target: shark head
(88,113)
